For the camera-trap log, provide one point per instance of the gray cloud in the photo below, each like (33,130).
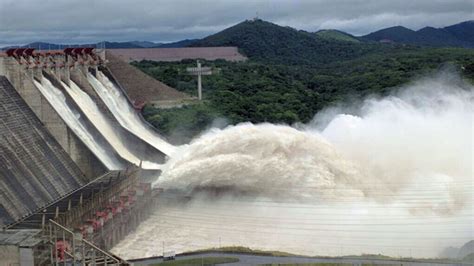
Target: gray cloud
(82,21)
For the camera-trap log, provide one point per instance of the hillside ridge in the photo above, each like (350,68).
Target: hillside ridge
(457,35)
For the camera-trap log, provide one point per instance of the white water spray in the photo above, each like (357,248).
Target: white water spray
(71,117)
(104,126)
(125,114)
(396,179)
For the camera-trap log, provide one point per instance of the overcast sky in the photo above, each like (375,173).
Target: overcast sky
(85,21)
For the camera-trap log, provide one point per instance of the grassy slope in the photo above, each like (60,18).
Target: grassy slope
(309,264)
(198,261)
(245,250)
(257,252)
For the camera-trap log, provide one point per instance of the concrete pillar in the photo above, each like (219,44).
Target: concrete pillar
(2,66)
(199,82)
(38,73)
(66,77)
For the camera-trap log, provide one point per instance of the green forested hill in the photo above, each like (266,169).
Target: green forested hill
(271,43)
(458,35)
(284,83)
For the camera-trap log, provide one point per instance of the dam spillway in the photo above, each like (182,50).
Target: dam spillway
(78,125)
(69,153)
(124,112)
(120,143)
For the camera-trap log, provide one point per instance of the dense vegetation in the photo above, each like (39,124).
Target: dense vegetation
(286,85)
(181,124)
(337,35)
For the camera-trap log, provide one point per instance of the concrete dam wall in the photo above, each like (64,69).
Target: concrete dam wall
(141,88)
(34,169)
(96,113)
(78,124)
(22,81)
(230,53)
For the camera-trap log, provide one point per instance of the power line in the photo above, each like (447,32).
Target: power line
(192,216)
(307,233)
(304,204)
(208,219)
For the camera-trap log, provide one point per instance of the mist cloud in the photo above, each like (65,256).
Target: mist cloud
(420,135)
(392,175)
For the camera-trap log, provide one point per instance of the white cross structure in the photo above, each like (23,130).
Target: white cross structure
(199,71)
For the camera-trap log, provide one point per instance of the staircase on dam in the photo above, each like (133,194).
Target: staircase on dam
(80,227)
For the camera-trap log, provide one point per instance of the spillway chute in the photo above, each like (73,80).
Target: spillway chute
(74,121)
(122,110)
(106,127)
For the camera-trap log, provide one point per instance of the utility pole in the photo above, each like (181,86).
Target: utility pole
(199,71)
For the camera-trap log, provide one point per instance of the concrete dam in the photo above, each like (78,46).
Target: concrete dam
(76,157)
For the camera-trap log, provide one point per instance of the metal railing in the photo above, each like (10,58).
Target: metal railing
(80,251)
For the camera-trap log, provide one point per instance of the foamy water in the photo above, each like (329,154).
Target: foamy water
(394,177)
(335,229)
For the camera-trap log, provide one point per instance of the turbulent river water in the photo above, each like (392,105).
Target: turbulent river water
(391,175)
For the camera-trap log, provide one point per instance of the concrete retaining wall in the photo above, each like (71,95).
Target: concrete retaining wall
(178,54)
